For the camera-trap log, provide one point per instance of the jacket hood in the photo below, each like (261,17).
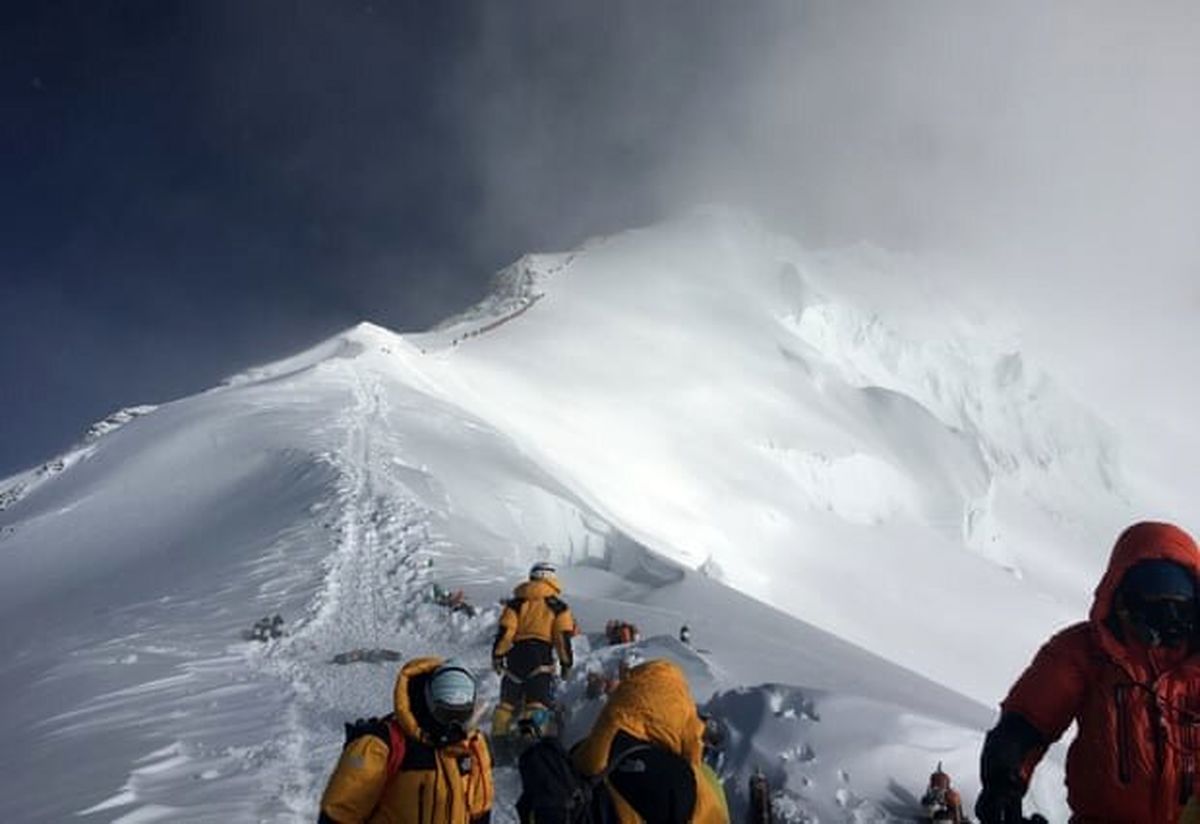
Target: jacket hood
(1144,541)
(541,588)
(412,675)
(652,703)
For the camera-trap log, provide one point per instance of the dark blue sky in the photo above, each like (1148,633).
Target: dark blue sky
(192,187)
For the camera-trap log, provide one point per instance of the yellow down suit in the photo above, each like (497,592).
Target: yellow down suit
(433,783)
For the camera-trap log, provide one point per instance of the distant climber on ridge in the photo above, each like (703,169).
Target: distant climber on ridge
(455,601)
(942,802)
(617,631)
(536,625)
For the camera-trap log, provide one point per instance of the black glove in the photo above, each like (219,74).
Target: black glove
(1000,804)
(564,671)
(1004,753)
(498,664)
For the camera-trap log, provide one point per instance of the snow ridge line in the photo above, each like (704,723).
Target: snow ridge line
(296,783)
(496,324)
(372,594)
(16,487)
(368,581)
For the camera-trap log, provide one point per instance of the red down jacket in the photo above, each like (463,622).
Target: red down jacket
(1134,759)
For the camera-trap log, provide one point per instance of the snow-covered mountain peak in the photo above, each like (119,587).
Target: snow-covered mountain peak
(883,471)
(712,330)
(345,346)
(728,397)
(513,290)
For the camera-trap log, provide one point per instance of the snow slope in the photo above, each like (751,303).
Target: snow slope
(728,398)
(848,492)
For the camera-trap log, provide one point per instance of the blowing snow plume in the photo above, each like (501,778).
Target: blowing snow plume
(1039,160)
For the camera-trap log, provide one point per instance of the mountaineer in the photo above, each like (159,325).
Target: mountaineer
(1129,677)
(536,626)
(425,763)
(649,743)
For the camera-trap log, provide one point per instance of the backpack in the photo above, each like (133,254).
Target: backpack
(554,792)
(386,730)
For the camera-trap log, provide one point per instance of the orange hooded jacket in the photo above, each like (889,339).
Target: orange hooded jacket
(1134,758)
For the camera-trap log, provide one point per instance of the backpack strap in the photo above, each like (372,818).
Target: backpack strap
(387,730)
(360,727)
(396,748)
(556,604)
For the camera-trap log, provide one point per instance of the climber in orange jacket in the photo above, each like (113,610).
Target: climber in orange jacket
(535,626)
(423,764)
(942,803)
(1129,676)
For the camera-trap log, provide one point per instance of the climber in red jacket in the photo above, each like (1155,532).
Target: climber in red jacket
(1129,676)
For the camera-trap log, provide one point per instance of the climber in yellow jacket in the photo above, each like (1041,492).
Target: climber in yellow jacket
(535,626)
(669,781)
(423,764)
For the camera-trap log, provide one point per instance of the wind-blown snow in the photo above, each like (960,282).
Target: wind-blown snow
(706,388)
(869,508)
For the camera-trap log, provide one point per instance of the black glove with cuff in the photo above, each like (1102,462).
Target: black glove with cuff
(1004,752)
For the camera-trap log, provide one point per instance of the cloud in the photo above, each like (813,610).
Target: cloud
(1020,133)
(1041,157)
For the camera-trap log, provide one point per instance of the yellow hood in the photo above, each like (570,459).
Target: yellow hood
(653,703)
(405,716)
